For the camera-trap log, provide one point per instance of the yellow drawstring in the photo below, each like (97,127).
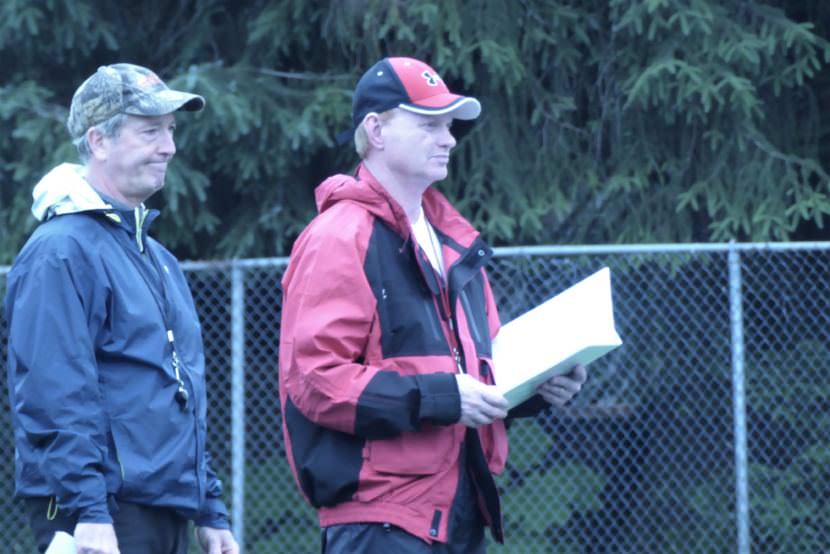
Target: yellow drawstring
(52,509)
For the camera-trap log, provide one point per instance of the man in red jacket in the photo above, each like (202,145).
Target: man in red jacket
(393,425)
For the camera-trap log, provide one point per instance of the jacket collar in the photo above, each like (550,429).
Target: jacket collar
(364,189)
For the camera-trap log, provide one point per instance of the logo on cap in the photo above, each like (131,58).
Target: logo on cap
(147,81)
(431,78)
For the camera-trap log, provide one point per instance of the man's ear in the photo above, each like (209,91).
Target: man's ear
(373,127)
(97,146)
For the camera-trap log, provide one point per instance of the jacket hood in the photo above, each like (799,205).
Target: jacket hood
(365,190)
(65,190)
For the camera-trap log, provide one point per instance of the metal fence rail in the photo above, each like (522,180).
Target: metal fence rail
(708,431)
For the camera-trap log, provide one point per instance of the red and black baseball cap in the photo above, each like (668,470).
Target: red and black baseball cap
(411,85)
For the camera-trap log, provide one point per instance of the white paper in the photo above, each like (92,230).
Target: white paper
(62,543)
(574,327)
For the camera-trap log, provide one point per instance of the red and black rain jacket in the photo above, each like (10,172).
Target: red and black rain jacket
(371,340)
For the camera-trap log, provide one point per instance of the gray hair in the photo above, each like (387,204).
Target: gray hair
(109,128)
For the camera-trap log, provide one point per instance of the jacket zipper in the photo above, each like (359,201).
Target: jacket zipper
(181,373)
(139,224)
(434,325)
(459,354)
(471,322)
(455,345)
(140,214)
(178,368)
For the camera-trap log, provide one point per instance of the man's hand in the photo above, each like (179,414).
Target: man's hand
(216,541)
(480,404)
(95,538)
(560,389)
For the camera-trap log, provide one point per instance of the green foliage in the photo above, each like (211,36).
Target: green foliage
(789,513)
(710,505)
(783,386)
(788,391)
(604,121)
(546,494)
(789,463)
(274,526)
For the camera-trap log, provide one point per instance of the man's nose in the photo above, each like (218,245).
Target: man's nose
(167,144)
(447,138)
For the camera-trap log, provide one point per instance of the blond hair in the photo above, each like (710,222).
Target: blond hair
(361,139)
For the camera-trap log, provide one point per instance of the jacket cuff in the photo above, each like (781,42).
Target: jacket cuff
(96,513)
(530,407)
(440,400)
(213,514)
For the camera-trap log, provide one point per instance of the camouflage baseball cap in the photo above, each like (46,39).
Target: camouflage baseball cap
(128,89)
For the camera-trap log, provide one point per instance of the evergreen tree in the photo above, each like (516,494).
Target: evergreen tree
(604,120)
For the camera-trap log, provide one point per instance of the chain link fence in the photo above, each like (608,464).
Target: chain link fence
(707,432)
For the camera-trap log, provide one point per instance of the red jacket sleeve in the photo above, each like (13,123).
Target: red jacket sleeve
(328,315)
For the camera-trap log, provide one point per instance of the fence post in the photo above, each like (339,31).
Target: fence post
(238,403)
(739,400)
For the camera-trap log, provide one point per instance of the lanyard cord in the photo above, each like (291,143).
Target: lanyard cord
(435,246)
(164,308)
(163,305)
(437,269)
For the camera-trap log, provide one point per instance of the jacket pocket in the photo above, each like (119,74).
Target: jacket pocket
(124,459)
(425,452)
(410,325)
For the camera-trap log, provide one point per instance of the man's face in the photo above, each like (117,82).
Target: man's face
(135,161)
(417,147)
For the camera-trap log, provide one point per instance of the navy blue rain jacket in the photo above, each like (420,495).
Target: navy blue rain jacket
(91,380)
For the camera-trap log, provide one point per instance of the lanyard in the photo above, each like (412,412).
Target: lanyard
(164,307)
(163,303)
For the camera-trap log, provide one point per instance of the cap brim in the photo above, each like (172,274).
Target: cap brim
(194,104)
(168,101)
(460,107)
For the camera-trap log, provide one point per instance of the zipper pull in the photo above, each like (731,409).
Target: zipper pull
(458,360)
(139,223)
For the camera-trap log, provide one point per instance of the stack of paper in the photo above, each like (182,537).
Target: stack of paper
(574,327)
(62,543)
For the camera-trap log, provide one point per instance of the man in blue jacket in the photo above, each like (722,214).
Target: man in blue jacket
(106,365)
